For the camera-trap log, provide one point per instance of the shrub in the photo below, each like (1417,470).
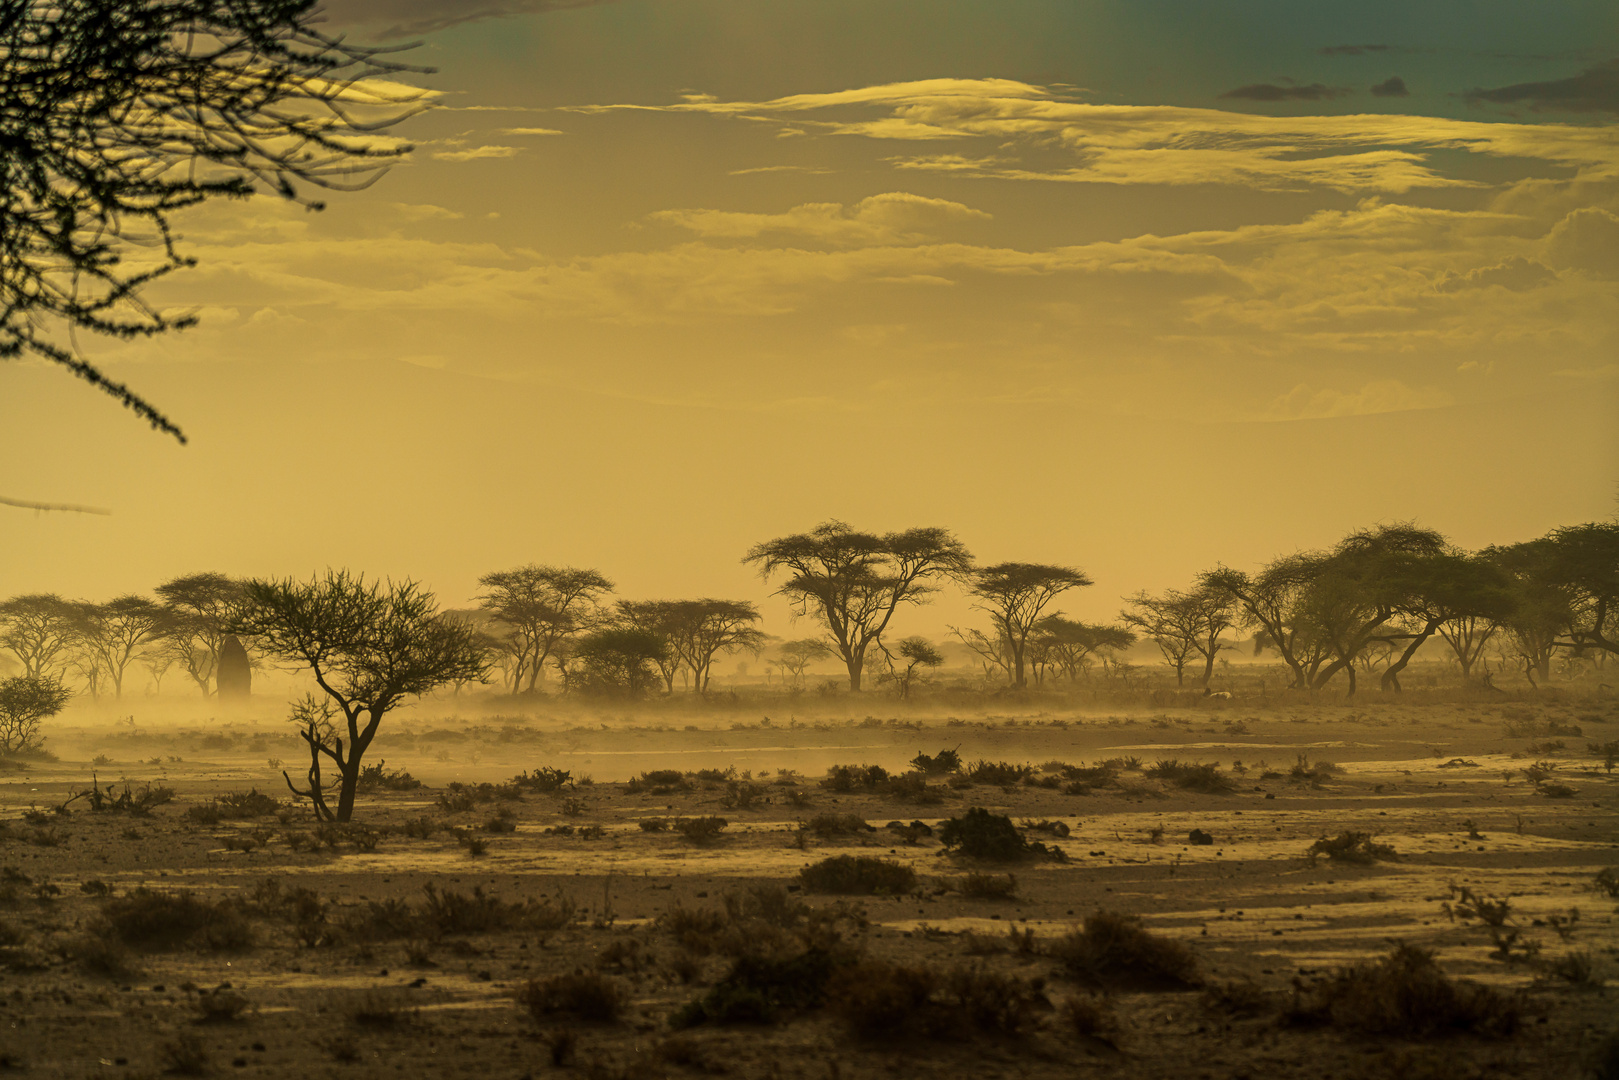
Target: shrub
(155,920)
(1607,880)
(660,782)
(700,830)
(826,826)
(544,779)
(988,886)
(1191,777)
(741,795)
(586,995)
(851,777)
(1115,951)
(892,1001)
(857,875)
(378,778)
(1406,995)
(979,834)
(945,761)
(1091,1018)
(1350,846)
(1317,773)
(760,989)
(1000,773)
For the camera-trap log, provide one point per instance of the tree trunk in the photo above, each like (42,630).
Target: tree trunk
(1351,669)
(1208,667)
(1391,675)
(854,664)
(351,783)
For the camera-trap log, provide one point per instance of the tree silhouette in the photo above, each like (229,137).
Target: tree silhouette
(1016,595)
(114,116)
(853,582)
(368,646)
(541,608)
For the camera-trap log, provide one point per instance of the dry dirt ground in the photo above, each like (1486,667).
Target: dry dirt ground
(423,940)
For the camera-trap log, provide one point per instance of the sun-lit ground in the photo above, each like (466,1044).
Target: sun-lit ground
(366,977)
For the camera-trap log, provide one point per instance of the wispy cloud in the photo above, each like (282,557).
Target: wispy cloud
(1134,144)
(895,217)
(1393,86)
(477,153)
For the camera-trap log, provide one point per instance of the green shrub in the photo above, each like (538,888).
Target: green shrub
(858,875)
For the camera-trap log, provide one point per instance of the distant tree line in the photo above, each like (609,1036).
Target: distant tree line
(1361,609)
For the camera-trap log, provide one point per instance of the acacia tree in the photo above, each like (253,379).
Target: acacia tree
(994,653)
(113,116)
(115,633)
(1583,562)
(1069,644)
(916,652)
(695,632)
(618,660)
(368,646)
(1184,625)
(1016,596)
(1444,588)
(39,629)
(792,657)
(853,582)
(197,609)
(541,608)
(24,702)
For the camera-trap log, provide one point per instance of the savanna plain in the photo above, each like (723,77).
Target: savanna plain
(1421,886)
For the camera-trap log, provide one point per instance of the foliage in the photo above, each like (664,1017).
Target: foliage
(581,994)
(1192,777)
(149,919)
(26,701)
(1350,846)
(1016,596)
(979,834)
(114,117)
(1406,995)
(700,830)
(860,875)
(368,646)
(1115,951)
(940,764)
(853,582)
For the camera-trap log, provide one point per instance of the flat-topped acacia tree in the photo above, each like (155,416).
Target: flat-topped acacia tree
(369,645)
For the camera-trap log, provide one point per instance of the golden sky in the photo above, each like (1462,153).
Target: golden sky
(1134,286)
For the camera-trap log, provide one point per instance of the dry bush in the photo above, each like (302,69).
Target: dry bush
(584,995)
(826,826)
(762,989)
(858,875)
(998,773)
(979,834)
(660,782)
(1406,995)
(184,1055)
(742,795)
(221,1005)
(1091,1018)
(1115,951)
(1319,772)
(892,1002)
(1237,999)
(855,777)
(379,1007)
(700,830)
(148,919)
(1189,776)
(987,886)
(1350,846)
(378,778)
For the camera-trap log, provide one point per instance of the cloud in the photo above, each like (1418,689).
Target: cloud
(1516,274)
(1379,396)
(1141,144)
(1353,50)
(1273,92)
(1393,86)
(779,168)
(1596,89)
(895,217)
(424,212)
(406,18)
(529,131)
(1587,240)
(477,153)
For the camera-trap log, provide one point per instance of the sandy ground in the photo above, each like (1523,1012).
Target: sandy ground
(339,1002)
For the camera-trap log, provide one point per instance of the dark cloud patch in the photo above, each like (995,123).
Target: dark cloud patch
(1353,50)
(406,18)
(1391,87)
(1596,89)
(1273,92)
